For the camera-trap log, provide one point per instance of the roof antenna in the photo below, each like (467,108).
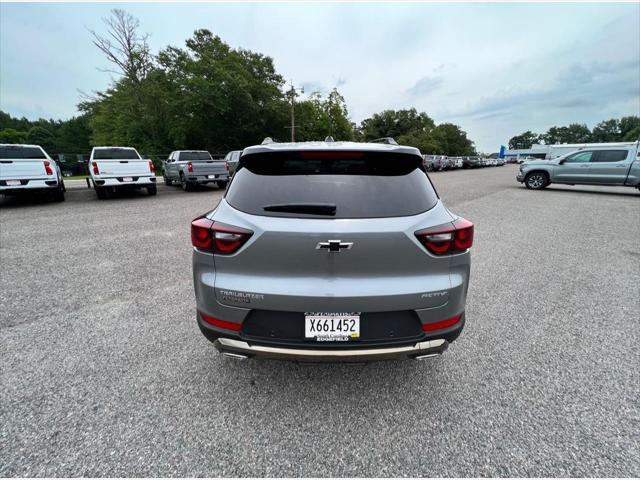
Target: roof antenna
(267,141)
(329,139)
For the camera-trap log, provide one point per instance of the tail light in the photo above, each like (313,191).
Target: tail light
(216,322)
(152,167)
(96,171)
(226,164)
(455,237)
(47,167)
(441,325)
(217,238)
(190,167)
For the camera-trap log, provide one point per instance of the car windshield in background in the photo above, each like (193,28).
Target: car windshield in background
(115,154)
(334,184)
(195,156)
(21,153)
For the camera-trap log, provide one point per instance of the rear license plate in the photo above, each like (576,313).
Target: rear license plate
(127,179)
(11,183)
(213,176)
(332,327)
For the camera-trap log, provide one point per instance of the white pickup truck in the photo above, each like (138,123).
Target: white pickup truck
(112,168)
(28,169)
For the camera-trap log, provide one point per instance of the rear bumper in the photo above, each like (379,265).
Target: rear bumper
(242,346)
(137,181)
(242,350)
(203,179)
(28,186)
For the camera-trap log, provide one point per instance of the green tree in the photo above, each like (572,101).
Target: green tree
(607,131)
(573,133)
(11,135)
(630,128)
(319,117)
(395,123)
(524,140)
(42,136)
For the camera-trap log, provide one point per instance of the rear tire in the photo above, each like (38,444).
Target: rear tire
(102,194)
(152,190)
(536,180)
(222,185)
(58,194)
(186,186)
(167,181)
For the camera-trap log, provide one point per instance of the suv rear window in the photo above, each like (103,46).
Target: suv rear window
(195,156)
(324,184)
(9,152)
(115,154)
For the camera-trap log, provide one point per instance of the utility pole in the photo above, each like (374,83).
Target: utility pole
(292,94)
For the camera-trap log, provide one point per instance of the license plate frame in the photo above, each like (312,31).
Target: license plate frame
(127,179)
(13,183)
(332,326)
(212,177)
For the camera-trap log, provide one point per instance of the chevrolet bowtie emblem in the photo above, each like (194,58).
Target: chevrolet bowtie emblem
(334,246)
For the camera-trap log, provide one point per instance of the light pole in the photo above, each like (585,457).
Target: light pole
(292,94)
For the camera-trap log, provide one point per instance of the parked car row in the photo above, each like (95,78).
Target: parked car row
(433,163)
(28,169)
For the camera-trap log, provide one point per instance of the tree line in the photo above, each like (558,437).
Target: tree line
(625,129)
(212,96)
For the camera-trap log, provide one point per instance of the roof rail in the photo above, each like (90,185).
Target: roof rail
(385,140)
(267,141)
(329,139)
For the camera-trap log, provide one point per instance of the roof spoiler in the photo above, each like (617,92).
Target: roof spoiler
(385,140)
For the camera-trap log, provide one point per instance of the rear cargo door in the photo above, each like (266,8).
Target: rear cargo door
(18,162)
(334,230)
(124,168)
(120,162)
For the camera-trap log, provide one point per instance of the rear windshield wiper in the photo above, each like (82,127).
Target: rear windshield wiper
(309,208)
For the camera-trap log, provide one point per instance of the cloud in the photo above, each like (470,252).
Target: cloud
(579,86)
(425,86)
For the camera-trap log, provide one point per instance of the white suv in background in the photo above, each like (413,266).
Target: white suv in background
(112,168)
(28,169)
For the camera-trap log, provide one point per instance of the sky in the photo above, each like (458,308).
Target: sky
(495,69)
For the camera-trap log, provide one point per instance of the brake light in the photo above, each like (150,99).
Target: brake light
(190,167)
(96,171)
(331,154)
(216,322)
(217,238)
(47,167)
(441,325)
(152,167)
(453,238)
(226,164)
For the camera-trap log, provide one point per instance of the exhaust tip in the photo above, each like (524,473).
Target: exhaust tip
(235,356)
(428,355)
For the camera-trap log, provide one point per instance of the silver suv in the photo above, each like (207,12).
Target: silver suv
(331,251)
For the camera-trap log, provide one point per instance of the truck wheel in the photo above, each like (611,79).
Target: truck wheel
(168,182)
(101,193)
(222,184)
(536,180)
(152,190)
(58,194)
(186,186)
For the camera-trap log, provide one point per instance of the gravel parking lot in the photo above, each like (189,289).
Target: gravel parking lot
(105,373)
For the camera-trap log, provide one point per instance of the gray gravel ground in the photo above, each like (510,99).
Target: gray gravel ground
(104,371)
